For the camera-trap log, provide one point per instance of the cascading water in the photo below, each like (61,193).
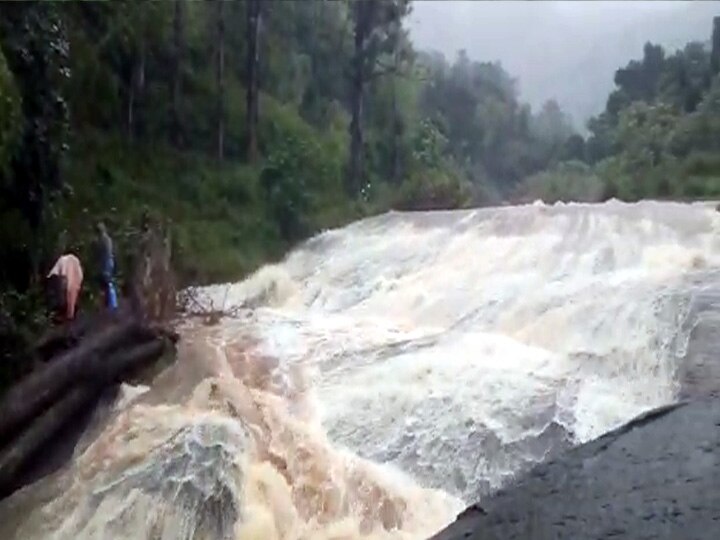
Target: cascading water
(387,373)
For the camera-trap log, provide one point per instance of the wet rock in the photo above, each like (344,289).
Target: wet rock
(187,488)
(195,475)
(699,372)
(657,477)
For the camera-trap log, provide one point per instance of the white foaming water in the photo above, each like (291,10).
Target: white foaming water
(386,373)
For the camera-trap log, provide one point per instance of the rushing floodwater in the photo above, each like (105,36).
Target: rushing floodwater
(388,373)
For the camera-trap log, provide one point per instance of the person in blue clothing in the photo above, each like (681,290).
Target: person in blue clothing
(107,265)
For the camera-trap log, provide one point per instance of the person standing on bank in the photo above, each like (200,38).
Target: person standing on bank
(107,265)
(66,278)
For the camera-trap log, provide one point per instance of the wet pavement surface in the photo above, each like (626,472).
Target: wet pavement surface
(657,477)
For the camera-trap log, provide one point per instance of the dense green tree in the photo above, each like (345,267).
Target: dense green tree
(567,181)
(638,81)
(178,59)
(715,51)
(220,77)
(573,149)
(35,46)
(493,138)
(661,127)
(376,34)
(687,75)
(10,117)
(254,13)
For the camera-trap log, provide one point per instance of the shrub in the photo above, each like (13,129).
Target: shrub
(567,181)
(433,189)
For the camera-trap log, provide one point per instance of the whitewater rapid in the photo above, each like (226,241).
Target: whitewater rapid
(388,373)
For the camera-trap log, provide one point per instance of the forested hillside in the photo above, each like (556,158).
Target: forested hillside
(568,50)
(249,124)
(242,126)
(659,135)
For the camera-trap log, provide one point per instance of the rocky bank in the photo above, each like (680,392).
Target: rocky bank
(657,477)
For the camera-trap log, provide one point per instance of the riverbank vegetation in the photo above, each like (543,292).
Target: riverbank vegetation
(658,137)
(246,126)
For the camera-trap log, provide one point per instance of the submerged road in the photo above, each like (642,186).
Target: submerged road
(657,477)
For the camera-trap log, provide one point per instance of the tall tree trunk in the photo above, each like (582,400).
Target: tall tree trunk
(715,53)
(176,132)
(362,13)
(397,124)
(220,74)
(396,134)
(252,65)
(139,82)
(131,109)
(136,92)
(355,172)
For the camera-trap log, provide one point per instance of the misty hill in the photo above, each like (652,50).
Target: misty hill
(563,50)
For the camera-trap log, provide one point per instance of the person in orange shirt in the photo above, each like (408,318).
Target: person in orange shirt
(69,273)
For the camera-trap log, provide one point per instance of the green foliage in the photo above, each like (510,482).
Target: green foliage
(551,126)
(660,131)
(639,80)
(573,149)
(302,176)
(286,183)
(491,137)
(35,47)
(22,317)
(10,116)
(567,181)
(686,77)
(141,100)
(215,210)
(430,145)
(379,47)
(433,189)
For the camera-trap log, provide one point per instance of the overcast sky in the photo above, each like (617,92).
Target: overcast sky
(568,50)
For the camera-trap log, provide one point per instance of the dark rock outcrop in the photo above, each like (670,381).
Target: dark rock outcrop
(657,477)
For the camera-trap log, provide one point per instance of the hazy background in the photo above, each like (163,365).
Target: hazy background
(563,50)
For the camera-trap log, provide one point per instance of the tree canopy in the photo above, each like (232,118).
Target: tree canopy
(659,134)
